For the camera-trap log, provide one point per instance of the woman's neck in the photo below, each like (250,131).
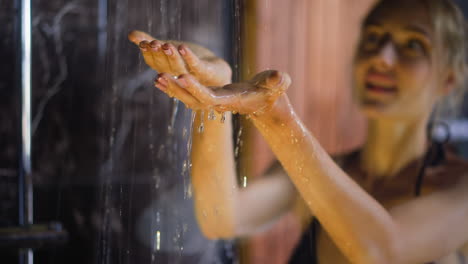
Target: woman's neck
(391,145)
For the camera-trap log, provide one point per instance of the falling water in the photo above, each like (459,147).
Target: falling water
(165,223)
(211,115)
(115,150)
(201,128)
(223,117)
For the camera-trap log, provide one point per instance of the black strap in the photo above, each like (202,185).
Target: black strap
(435,155)
(306,250)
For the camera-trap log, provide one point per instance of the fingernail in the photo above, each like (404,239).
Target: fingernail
(182,51)
(162,81)
(160,86)
(167,49)
(154,45)
(143,46)
(182,82)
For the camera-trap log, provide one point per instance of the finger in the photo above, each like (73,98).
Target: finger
(279,80)
(138,36)
(202,93)
(144,46)
(173,89)
(211,71)
(149,47)
(272,80)
(149,51)
(155,57)
(192,60)
(174,59)
(155,45)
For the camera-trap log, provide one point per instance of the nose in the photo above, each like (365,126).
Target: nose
(387,56)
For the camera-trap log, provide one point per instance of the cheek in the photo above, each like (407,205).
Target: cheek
(359,71)
(418,87)
(417,76)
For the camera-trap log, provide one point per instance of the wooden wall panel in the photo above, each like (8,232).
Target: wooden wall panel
(314,41)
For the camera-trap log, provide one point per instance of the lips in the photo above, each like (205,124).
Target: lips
(381,83)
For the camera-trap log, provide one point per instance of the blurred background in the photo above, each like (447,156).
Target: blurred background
(110,153)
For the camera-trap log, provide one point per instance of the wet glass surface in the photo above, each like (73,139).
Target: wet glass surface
(106,162)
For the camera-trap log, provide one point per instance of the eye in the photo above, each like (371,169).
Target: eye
(415,45)
(372,38)
(370,41)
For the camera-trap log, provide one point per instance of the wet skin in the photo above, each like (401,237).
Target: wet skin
(395,75)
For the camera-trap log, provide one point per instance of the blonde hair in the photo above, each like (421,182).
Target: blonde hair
(451,51)
(451,37)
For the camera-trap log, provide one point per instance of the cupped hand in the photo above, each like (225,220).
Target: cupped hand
(252,97)
(178,58)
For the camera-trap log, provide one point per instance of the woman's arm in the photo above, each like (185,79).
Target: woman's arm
(358,224)
(419,231)
(222,209)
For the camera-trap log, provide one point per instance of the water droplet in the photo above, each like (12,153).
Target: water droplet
(189,192)
(201,128)
(157,180)
(211,115)
(175,108)
(158,241)
(160,151)
(223,117)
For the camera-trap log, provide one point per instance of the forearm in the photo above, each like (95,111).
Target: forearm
(213,176)
(359,225)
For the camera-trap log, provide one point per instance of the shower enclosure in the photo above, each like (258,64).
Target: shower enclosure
(107,153)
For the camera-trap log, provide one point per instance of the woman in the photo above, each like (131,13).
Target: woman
(410,57)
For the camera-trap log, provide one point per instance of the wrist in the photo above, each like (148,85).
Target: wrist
(281,111)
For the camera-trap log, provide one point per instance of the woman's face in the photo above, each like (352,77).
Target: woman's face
(394,73)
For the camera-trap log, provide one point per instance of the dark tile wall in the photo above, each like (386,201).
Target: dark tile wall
(8,115)
(105,162)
